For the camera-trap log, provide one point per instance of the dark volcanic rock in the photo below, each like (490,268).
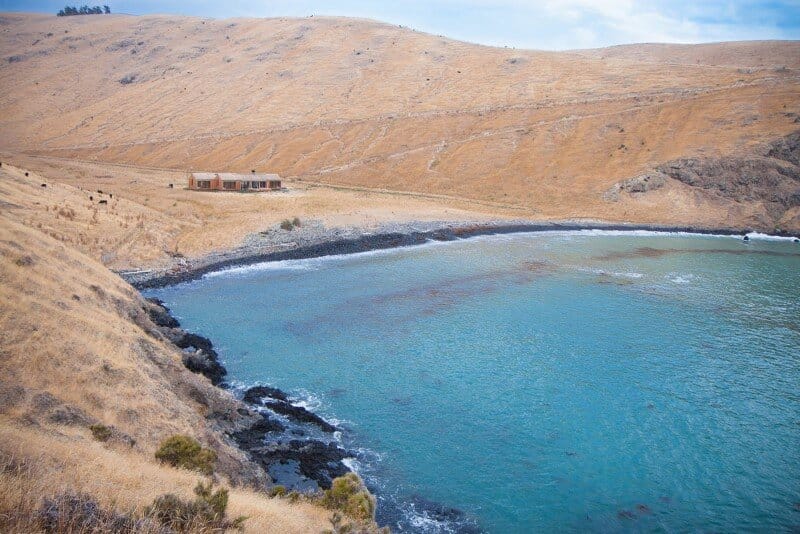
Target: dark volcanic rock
(203,363)
(204,359)
(160,314)
(253,437)
(319,461)
(198,342)
(299,414)
(771,174)
(255,394)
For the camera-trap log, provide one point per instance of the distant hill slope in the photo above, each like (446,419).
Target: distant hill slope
(362,103)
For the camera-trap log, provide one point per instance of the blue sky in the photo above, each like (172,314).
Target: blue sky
(542,24)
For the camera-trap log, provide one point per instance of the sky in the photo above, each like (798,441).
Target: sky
(538,24)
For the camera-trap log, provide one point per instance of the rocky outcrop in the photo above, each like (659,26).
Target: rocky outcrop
(297,464)
(277,401)
(256,394)
(638,184)
(767,175)
(771,174)
(252,424)
(312,459)
(198,355)
(160,314)
(253,437)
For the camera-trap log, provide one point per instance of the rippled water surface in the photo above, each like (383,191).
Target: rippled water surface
(539,382)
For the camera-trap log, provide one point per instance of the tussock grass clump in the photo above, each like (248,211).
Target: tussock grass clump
(24,261)
(185,452)
(69,512)
(100,432)
(349,495)
(290,224)
(206,513)
(342,526)
(277,491)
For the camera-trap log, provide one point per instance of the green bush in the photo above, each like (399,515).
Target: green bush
(100,432)
(286,224)
(277,491)
(349,495)
(206,512)
(186,452)
(296,222)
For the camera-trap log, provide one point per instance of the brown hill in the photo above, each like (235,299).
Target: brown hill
(79,350)
(356,102)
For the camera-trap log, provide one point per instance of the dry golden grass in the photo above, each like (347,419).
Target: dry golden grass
(75,351)
(41,464)
(146,222)
(360,103)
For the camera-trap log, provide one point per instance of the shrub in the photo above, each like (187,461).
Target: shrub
(277,491)
(100,432)
(24,261)
(342,526)
(286,224)
(186,452)
(68,512)
(206,512)
(349,495)
(296,222)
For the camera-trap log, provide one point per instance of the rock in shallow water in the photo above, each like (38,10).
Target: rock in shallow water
(299,414)
(317,460)
(256,394)
(278,401)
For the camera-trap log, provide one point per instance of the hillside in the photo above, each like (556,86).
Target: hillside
(360,103)
(78,349)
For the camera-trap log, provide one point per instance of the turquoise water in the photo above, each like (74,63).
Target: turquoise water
(581,381)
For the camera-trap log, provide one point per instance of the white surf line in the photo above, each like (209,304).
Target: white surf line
(308,264)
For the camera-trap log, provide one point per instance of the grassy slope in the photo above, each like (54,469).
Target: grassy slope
(145,221)
(75,351)
(361,103)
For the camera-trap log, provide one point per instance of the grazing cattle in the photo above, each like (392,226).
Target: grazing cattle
(100,191)
(103,202)
(44,185)
(91,198)
(26,174)
(170,186)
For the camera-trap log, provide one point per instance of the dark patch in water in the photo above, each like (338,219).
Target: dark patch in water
(337,392)
(402,401)
(407,305)
(643,509)
(609,279)
(626,514)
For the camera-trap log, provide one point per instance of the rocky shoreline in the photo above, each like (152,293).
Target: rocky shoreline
(295,446)
(312,240)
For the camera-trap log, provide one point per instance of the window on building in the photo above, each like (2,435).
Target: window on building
(229,185)
(204,184)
